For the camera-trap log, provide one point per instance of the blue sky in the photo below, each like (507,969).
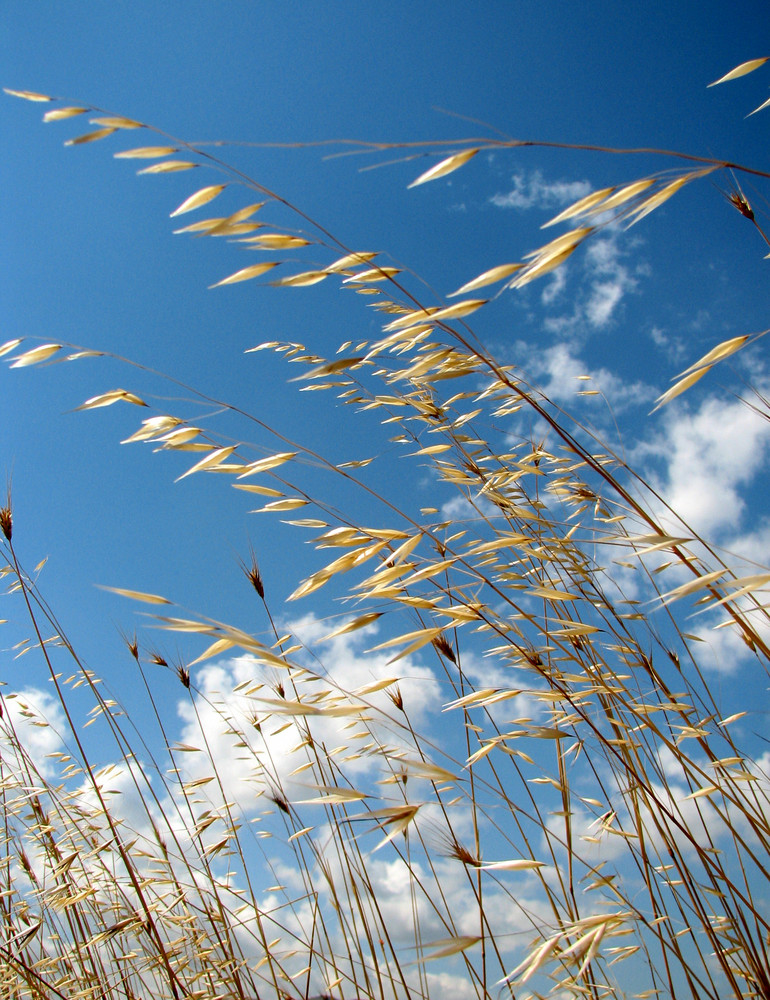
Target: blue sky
(90,259)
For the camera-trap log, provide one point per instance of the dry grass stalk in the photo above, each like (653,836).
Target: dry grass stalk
(584,821)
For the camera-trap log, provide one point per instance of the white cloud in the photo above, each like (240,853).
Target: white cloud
(604,299)
(673,346)
(555,286)
(533,191)
(710,455)
(266,744)
(561,374)
(33,727)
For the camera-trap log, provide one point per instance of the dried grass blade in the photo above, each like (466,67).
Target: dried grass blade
(741,70)
(264,464)
(371,275)
(137,595)
(652,543)
(666,192)
(488,278)
(580,206)
(152,427)
(27,95)
(329,368)
(275,241)
(681,386)
(692,586)
(447,166)
(332,795)
(458,310)
(212,460)
(168,167)
(288,503)
(540,267)
(447,947)
(361,622)
(246,273)
(58,114)
(10,345)
(116,121)
(515,865)
(220,646)
(764,104)
(145,152)
(718,353)
(351,260)
(36,355)
(302,280)
(100,133)
(108,398)
(202,197)
(555,246)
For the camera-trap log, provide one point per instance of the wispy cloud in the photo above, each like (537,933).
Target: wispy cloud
(561,374)
(532,190)
(605,281)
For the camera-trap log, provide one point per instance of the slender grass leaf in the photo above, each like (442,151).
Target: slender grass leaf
(580,206)
(36,355)
(100,133)
(27,95)
(209,462)
(202,197)
(277,241)
(10,345)
(168,167)
(350,260)
(764,104)
(137,595)
(741,70)
(116,121)
(57,114)
(246,273)
(488,278)
(447,166)
(447,947)
(108,398)
(681,386)
(145,152)
(516,865)
(718,353)
(288,503)
(301,280)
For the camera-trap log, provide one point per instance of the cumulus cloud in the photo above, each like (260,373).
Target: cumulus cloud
(709,456)
(33,727)
(250,717)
